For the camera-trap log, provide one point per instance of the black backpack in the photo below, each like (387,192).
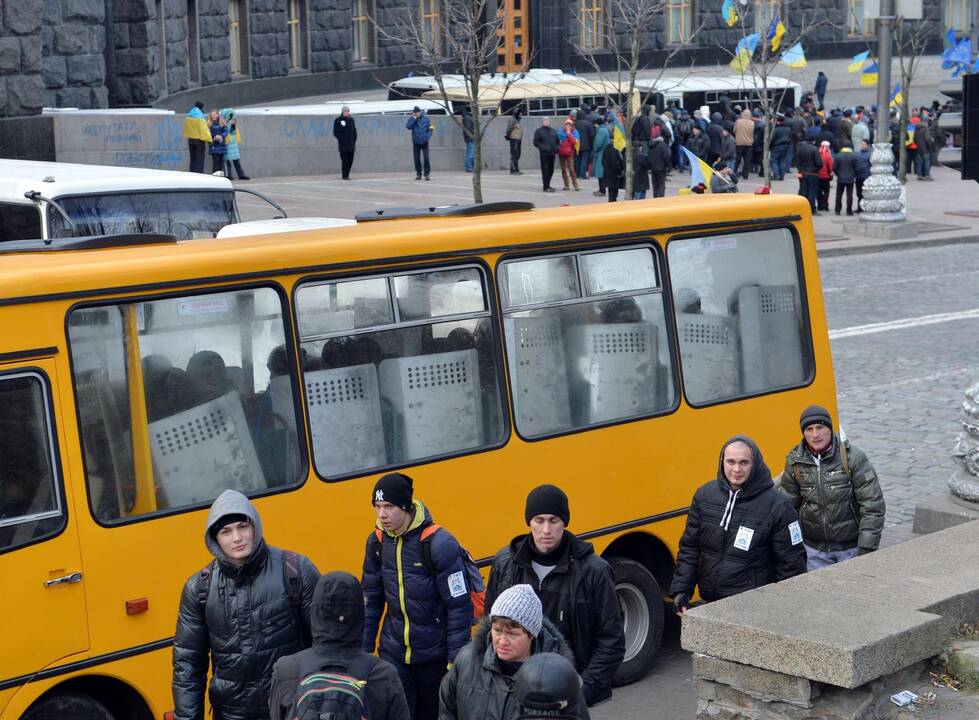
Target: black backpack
(332,691)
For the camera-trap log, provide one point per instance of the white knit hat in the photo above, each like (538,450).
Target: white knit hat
(520,604)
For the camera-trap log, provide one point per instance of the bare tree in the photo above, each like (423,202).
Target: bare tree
(626,36)
(911,38)
(465,38)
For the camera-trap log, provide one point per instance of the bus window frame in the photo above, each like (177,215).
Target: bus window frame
(55,454)
(664,289)
(287,331)
(806,340)
(492,311)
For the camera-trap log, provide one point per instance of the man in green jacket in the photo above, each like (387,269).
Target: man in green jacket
(835,489)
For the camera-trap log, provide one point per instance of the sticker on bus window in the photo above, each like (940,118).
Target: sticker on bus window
(722,243)
(212,306)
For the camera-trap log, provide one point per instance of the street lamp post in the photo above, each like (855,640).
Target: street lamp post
(882,190)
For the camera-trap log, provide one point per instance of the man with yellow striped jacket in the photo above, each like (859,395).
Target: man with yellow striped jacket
(429,609)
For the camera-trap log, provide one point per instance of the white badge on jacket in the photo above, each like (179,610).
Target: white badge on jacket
(457,584)
(743,539)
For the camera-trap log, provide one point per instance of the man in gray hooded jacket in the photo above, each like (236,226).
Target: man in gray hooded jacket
(240,614)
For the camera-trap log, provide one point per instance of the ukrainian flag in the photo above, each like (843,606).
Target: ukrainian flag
(897,97)
(776,29)
(618,132)
(729,12)
(195,126)
(869,76)
(700,172)
(857,62)
(794,57)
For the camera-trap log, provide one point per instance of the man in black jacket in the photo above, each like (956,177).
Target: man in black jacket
(237,616)
(715,133)
(337,619)
(576,588)
(845,169)
(586,134)
(545,140)
(659,165)
(808,162)
(780,148)
(741,533)
(345,131)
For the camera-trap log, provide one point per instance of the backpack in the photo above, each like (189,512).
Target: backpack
(334,691)
(290,578)
(473,578)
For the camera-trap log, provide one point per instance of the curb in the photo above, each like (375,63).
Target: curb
(863,248)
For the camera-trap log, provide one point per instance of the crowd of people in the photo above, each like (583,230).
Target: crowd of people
(543,638)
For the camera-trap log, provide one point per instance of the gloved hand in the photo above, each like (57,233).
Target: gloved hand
(681,602)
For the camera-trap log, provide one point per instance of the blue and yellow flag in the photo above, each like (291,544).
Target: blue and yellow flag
(949,39)
(195,126)
(729,12)
(700,172)
(618,132)
(897,97)
(776,30)
(869,76)
(794,57)
(856,64)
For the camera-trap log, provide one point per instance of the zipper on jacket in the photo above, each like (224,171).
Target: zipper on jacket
(401,599)
(822,497)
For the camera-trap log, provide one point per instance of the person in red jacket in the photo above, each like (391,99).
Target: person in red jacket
(825,174)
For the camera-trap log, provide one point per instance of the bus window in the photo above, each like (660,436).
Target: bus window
(586,340)
(19,222)
(30,504)
(408,369)
(739,315)
(182,398)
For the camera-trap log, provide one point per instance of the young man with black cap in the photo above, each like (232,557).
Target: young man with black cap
(429,609)
(834,487)
(238,615)
(576,588)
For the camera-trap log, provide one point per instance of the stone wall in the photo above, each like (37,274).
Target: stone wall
(21,87)
(329,35)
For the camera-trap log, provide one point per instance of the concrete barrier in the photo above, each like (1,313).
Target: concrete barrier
(844,627)
(279,145)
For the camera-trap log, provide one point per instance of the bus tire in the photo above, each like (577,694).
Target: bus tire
(642,617)
(67,706)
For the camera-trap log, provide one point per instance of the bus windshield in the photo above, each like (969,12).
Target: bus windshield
(184,215)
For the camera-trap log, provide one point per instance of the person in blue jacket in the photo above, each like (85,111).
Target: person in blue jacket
(421,133)
(429,609)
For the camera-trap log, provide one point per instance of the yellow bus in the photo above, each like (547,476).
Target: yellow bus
(484,349)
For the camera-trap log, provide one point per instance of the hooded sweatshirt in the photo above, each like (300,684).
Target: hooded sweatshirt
(238,620)
(738,539)
(337,618)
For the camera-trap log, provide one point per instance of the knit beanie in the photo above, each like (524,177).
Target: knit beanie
(815,414)
(547,500)
(520,604)
(394,488)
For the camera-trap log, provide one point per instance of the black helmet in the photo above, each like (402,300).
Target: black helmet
(548,686)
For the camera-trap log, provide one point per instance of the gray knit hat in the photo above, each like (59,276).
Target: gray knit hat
(520,604)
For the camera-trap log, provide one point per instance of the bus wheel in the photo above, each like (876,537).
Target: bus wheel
(642,617)
(67,706)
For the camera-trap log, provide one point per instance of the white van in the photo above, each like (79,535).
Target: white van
(45,200)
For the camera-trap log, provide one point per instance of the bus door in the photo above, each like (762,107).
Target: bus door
(40,558)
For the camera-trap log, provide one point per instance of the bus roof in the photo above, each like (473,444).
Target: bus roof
(77,273)
(674,85)
(357,107)
(494,94)
(55,179)
(535,75)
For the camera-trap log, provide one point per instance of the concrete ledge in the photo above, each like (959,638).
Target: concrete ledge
(887,231)
(939,512)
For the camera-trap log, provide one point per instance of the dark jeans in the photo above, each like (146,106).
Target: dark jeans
(922,163)
(419,151)
(860,195)
(197,148)
(237,164)
(347,162)
(217,163)
(840,189)
(779,155)
(421,683)
(515,156)
(581,164)
(809,189)
(823,192)
(613,194)
(659,183)
(743,160)
(546,169)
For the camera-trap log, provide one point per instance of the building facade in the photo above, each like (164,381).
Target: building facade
(130,53)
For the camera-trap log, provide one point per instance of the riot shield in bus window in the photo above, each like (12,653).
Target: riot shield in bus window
(739,315)
(424,385)
(30,504)
(586,359)
(179,399)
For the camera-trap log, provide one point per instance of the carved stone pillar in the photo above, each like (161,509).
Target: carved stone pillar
(882,191)
(964,483)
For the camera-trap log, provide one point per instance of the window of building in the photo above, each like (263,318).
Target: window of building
(679,25)
(238,34)
(958,15)
(591,16)
(405,369)
(363,32)
(19,222)
(765,10)
(586,338)
(182,398)
(161,33)
(297,34)
(739,315)
(30,500)
(431,24)
(857,25)
(193,43)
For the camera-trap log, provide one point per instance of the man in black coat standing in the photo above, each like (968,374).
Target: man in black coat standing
(345,131)
(845,169)
(586,134)
(741,533)
(659,164)
(545,140)
(808,162)
(715,134)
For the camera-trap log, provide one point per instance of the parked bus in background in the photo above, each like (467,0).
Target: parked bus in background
(483,350)
(547,99)
(693,92)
